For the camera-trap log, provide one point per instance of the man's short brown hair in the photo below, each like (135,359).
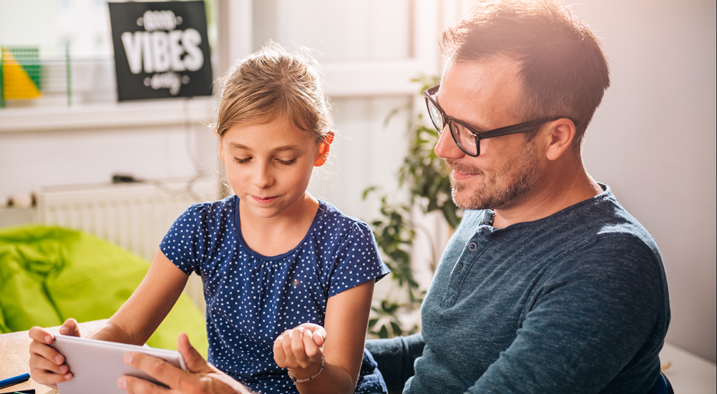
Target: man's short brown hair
(564,70)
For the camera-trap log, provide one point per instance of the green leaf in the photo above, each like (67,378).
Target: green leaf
(396,329)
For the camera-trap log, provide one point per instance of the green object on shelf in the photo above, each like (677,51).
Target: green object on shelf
(21,73)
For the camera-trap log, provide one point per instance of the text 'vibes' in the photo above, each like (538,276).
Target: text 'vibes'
(163,50)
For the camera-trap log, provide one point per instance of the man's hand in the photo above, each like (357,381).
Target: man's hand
(200,377)
(47,365)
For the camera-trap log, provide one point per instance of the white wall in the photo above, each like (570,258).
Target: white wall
(61,146)
(14,17)
(653,141)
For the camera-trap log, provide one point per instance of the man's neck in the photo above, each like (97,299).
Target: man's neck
(557,190)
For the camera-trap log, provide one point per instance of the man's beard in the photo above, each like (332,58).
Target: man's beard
(511,182)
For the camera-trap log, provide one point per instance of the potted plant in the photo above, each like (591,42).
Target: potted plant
(427,180)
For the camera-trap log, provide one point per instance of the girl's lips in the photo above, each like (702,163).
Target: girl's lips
(264,200)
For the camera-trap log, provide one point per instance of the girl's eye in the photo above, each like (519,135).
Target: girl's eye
(242,161)
(287,162)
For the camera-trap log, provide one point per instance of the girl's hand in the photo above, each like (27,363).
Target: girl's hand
(47,365)
(300,349)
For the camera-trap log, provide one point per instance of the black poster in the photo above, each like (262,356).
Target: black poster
(161,49)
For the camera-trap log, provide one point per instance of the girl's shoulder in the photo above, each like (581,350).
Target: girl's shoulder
(211,212)
(330,219)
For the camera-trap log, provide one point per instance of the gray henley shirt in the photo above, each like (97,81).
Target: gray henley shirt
(576,302)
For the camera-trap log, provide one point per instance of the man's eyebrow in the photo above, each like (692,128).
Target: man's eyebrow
(277,149)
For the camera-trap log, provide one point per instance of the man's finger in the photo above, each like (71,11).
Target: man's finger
(140,386)
(192,359)
(155,367)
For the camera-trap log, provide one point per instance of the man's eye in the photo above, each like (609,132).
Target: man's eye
(287,162)
(242,160)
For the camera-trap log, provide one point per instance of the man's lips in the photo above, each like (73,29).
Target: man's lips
(264,200)
(462,172)
(459,176)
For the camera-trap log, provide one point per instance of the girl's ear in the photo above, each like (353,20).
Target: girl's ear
(324,147)
(221,147)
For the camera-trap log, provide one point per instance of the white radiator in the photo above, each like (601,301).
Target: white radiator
(135,216)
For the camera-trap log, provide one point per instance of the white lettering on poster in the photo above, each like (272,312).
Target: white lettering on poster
(163,49)
(169,80)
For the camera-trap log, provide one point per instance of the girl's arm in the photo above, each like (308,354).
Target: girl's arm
(346,322)
(150,303)
(133,323)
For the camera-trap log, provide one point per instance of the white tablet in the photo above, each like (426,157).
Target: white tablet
(97,365)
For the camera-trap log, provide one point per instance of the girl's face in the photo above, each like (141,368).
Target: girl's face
(269,165)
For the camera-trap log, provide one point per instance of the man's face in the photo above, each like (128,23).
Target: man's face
(486,95)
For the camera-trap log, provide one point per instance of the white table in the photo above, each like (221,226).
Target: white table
(688,373)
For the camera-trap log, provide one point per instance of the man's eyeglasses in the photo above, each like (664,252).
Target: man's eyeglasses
(467,138)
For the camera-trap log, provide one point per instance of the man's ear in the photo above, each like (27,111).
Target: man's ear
(324,147)
(561,136)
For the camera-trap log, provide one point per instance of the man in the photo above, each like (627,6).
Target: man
(548,285)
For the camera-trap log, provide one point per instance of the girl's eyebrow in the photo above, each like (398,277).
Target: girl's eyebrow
(277,149)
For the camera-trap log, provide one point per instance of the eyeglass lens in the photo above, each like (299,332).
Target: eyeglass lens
(437,118)
(465,139)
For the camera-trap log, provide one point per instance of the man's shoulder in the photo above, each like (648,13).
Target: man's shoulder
(598,238)
(603,219)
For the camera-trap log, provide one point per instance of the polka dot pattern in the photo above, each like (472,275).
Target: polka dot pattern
(252,298)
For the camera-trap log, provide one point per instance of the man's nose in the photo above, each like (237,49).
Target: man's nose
(446,147)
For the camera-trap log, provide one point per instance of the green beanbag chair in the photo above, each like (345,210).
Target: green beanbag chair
(49,274)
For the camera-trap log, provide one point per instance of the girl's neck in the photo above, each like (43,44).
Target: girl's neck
(278,234)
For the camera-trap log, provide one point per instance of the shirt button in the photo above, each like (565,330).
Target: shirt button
(472,246)
(459,268)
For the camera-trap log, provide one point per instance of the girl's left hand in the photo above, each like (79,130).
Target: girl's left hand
(300,349)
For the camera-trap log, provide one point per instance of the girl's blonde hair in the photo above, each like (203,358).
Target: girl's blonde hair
(271,84)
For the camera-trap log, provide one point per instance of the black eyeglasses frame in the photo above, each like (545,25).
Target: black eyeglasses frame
(480,135)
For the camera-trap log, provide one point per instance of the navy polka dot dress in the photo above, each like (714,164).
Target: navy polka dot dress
(252,299)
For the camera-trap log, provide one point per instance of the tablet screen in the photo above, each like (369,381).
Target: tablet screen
(97,365)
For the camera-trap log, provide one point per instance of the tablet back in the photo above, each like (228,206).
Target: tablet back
(97,365)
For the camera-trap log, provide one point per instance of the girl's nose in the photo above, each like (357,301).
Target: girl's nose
(263,178)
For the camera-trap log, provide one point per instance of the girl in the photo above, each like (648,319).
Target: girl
(271,257)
